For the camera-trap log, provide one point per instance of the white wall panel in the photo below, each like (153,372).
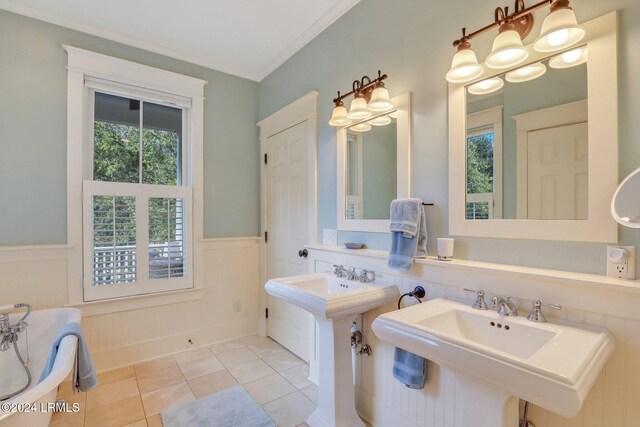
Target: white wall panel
(614,400)
(38,276)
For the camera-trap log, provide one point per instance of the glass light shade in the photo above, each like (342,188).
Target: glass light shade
(393,114)
(570,58)
(380,100)
(464,67)
(380,121)
(339,116)
(361,127)
(358,109)
(486,86)
(526,73)
(507,50)
(560,30)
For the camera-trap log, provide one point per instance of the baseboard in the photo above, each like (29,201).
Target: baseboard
(116,357)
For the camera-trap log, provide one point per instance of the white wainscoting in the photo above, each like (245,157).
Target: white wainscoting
(614,400)
(38,275)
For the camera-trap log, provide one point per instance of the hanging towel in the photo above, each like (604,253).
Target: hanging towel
(410,369)
(84,375)
(408,227)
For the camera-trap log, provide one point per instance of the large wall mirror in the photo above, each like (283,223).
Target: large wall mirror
(534,150)
(373,168)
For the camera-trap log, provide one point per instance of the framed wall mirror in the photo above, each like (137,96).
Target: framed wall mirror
(373,167)
(533,151)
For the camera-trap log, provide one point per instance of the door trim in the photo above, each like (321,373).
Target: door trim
(299,111)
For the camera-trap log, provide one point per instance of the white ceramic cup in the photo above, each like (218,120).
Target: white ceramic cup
(445,249)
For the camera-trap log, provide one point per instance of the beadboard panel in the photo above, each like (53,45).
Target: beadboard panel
(39,276)
(381,400)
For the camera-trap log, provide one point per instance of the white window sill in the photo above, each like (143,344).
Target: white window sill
(96,308)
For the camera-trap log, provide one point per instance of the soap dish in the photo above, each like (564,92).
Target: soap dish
(354,245)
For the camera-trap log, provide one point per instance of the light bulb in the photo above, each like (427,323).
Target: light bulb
(558,37)
(361,127)
(486,86)
(572,56)
(526,73)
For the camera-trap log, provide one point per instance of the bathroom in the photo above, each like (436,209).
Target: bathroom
(42,241)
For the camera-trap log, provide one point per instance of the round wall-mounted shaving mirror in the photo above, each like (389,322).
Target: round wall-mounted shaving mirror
(625,205)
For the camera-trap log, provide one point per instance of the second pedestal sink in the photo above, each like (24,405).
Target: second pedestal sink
(497,358)
(334,302)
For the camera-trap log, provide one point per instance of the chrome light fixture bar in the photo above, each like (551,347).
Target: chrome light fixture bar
(369,96)
(560,30)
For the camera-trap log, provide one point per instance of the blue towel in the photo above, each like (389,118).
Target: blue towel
(410,369)
(84,375)
(408,227)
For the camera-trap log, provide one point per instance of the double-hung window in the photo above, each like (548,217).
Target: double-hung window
(138,145)
(137,204)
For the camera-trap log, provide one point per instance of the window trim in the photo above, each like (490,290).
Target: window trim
(479,123)
(83,64)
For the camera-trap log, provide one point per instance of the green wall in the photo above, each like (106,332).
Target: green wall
(33,99)
(410,40)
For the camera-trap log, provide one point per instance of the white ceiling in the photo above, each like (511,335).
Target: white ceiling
(247,38)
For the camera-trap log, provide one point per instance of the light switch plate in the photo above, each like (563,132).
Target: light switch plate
(329,237)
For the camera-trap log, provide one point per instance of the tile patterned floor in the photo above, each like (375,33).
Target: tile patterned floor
(134,396)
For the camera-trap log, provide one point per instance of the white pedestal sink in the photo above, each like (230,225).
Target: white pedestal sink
(498,360)
(334,302)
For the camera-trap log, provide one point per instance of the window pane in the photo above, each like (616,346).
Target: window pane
(166,238)
(116,136)
(480,163)
(114,240)
(161,152)
(478,210)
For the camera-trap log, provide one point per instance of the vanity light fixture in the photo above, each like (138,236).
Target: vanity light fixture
(393,114)
(507,50)
(368,95)
(486,86)
(464,66)
(361,127)
(380,121)
(570,58)
(560,30)
(526,73)
(339,115)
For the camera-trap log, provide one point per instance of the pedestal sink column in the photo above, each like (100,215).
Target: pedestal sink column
(336,401)
(484,405)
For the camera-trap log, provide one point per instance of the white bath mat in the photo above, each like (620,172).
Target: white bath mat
(229,408)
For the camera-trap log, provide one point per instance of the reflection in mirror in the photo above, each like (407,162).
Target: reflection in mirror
(625,206)
(370,175)
(527,142)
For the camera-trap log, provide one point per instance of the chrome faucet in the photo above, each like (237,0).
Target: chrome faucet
(366,276)
(351,274)
(504,306)
(339,271)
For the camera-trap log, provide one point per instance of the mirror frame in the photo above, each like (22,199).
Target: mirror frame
(403,166)
(614,213)
(602,72)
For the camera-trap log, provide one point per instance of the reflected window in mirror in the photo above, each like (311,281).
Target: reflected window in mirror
(371,174)
(484,164)
(527,142)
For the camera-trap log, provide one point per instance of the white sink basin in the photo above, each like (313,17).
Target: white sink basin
(551,365)
(334,302)
(330,297)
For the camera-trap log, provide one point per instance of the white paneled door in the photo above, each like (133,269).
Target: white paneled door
(557,169)
(288,224)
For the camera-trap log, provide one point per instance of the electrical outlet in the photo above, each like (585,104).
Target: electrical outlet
(329,237)
(237,306)
(621,262)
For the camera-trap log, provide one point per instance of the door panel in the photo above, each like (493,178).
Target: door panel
(287,225)
(557,173)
